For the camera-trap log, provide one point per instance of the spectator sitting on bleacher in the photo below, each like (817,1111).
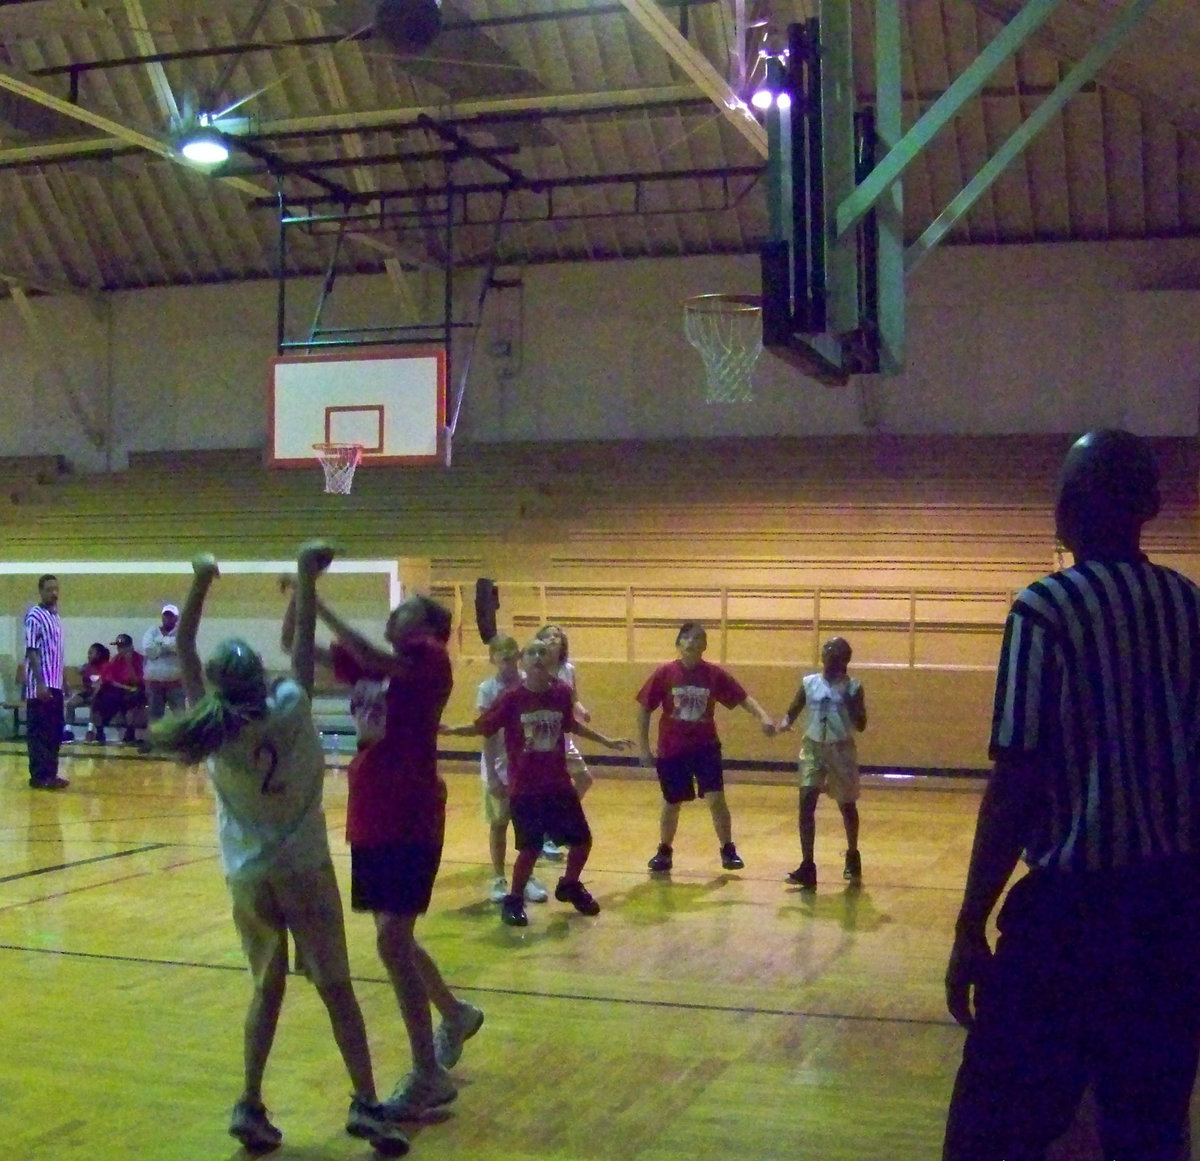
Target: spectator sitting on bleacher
(121,691)
(90,673)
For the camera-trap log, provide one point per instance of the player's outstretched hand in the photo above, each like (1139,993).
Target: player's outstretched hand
(620,744)
(287,582)
(315,557)
(770,728)
(204,564)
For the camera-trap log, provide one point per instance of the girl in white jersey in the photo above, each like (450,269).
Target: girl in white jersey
(837,709)
(563,670)
(267,769)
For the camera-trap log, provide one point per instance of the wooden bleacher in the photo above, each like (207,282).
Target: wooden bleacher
(910,546)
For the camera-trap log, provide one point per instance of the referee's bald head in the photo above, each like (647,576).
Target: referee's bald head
(1107,489)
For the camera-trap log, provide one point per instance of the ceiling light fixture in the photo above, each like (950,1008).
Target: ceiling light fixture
(204,144)
(773,90)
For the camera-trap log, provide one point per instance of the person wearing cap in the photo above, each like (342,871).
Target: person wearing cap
(163,671)
(121,691)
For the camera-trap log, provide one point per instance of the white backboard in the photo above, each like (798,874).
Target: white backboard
(392,400)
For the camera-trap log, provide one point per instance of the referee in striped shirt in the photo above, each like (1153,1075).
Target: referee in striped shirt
(1095,976)
(44,687)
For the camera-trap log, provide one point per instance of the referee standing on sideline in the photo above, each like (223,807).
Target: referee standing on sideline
(44,687)
(1095,978)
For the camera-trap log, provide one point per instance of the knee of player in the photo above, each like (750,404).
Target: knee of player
(338,996)
(271,982)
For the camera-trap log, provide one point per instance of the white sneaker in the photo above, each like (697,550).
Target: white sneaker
(418,1092)
(499,889)
(453,1032)
(535,892)
(552,851)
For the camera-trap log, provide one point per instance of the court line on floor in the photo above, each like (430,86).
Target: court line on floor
(83,862)
(632,1001)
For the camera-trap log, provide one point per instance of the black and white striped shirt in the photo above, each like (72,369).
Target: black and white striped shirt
(43,632)
(1099,682)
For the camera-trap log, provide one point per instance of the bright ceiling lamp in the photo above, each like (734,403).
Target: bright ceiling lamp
(773,91)
(204,144)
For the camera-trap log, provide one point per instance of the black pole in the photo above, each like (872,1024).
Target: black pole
(280,313)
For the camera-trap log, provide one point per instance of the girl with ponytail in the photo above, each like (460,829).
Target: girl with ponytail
(267,768)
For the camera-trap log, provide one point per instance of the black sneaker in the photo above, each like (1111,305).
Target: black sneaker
(730,859)
(370,1121)
(251,1125)
(853,870)
(805,875)
(578,896)
(662,859)
(512,911)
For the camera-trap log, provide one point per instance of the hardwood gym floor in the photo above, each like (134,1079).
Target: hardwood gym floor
(712,1016)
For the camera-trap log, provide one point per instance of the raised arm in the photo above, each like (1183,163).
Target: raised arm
(204,572)
(313,559)
(366,652)
(287,632)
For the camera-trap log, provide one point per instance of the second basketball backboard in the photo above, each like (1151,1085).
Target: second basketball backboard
(392,401)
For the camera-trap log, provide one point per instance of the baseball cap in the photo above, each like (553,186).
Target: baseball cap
(171,609)
(123,639)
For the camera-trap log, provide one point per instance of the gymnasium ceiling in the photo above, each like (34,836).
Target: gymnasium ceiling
(613,106)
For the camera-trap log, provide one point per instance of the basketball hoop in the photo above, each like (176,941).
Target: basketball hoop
(339,461)
(727,331)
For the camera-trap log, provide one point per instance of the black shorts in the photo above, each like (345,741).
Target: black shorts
(698,770)
(558,815)
(396,879)
(1095,980)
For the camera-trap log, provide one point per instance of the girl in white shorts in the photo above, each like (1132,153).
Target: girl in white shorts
(837,709)
(267,769)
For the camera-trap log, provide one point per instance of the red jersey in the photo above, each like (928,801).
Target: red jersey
(688,698)
(90,676)
(123,669)
(396,794)
(535,729)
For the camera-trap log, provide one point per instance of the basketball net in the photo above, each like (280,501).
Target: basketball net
(727,331)
(339,461)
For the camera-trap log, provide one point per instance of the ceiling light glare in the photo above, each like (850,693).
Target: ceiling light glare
(204,145)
